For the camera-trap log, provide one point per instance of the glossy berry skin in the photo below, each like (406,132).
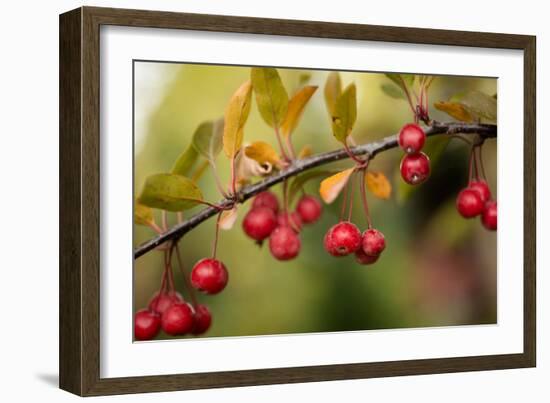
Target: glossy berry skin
(342,239)
(259,223)
(202,320)
(146,325)
(284,243)
(266,199)
(209,275)
(293,220)
(162,301)
(309,208)
(489,216)
(415,168)
(469,204)
(373,242)
(482,189)
(178,319)
(362,258)
(411,138)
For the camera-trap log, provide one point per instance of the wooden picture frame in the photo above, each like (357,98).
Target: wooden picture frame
(80,197)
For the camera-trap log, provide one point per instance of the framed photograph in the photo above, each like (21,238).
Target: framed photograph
(249,201)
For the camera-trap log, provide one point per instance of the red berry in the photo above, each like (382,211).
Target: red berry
(293,220)
(489,217)
(482,189)
(342,239)
(373,242)
(284,243)
(415,168)
(266,199)
(209,275)
(468,203)
(411,138)
(146,325)
(203,319)
(259,223)
(309,208)
(362,258)
(178,319)
(164,300)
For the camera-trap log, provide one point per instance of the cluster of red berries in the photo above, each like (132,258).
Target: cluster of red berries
(415,165)
(168,310)
(171,313)
(345,238)
(265,220)
(476,200)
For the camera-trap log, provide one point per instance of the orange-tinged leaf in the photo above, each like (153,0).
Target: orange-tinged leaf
(236,114)
(305,152)
(332,186)
(378,184)
(455,109)
(296,108)
(261,152)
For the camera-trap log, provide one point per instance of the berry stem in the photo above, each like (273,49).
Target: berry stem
(285,196)
(352,191)
(217,235)
(344,200)
(190,289)
(482,167)
(364,196)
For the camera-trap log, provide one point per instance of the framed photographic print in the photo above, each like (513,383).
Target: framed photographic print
(250,201)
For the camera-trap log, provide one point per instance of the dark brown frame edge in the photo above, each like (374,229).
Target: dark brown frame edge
(79,200)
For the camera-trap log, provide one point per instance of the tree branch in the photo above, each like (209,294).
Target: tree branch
(372,149)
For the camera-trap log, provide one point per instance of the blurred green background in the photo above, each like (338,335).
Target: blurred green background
(437,270)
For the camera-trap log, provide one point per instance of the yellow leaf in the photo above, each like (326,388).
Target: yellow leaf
(236,114)
(333,89)
(296,108)
(143,215)
(378,184)
(261,152)
(305,152)
(332,186)
(456,110)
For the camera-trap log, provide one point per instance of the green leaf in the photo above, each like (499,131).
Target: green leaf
(333,89)
(345,113)
(170,192)
(143,215)
(271,96)
(471,106)
(303,79)
(236,115)
(481,105)
(402,80)
(208,139)
(392,91)
(185,161)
